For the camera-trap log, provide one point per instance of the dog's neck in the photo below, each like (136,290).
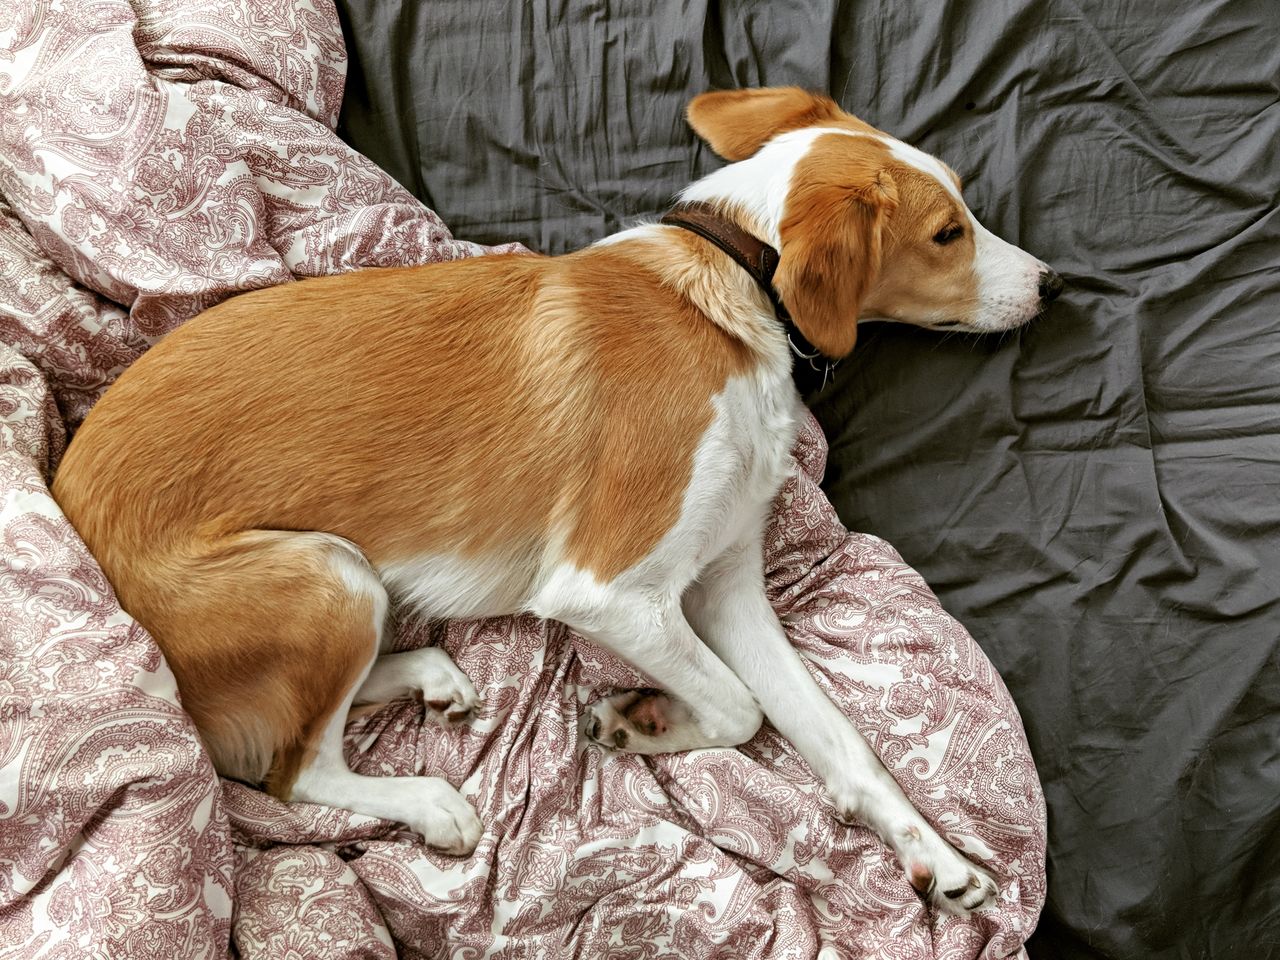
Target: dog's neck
(760,261)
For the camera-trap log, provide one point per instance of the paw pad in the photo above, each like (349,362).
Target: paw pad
(850,815)
(452,709)
(647,715)
(921,878)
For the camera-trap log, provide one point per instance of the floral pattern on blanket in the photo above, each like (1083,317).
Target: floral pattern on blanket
(161,155)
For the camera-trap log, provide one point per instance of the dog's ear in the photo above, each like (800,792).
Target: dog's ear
(737,123)
(831,242)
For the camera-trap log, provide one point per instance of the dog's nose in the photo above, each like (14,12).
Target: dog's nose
(1050,286)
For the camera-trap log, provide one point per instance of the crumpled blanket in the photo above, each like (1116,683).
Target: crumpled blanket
(161,155)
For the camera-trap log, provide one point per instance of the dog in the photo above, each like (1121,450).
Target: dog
(595,438)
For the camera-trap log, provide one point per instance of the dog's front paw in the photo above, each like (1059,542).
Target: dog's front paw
(445,819)
(649,721)
(644,721)
(631,720)
(933,867)
(942,876)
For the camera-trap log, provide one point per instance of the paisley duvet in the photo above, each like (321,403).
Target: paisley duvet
(161,155)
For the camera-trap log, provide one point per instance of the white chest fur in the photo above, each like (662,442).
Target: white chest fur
(741,463)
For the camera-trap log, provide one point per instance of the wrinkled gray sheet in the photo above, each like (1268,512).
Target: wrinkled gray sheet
(1097,497)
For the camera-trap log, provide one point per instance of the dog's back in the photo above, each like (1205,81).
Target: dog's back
(455,405)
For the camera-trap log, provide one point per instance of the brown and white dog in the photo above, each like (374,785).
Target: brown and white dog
(595,438)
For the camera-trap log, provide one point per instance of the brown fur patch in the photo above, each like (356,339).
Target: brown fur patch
(263,637)
(456,408)
(658,361)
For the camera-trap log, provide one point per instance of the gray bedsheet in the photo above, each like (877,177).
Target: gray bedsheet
(1096,497)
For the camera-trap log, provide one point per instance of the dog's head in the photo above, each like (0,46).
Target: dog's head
(866,225)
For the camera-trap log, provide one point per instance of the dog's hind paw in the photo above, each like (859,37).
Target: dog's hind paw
(445,819)
(444,689)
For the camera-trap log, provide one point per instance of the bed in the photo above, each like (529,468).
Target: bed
(1097,498)
(156,157)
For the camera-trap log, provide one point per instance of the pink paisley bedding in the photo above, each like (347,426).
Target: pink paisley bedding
(158,156)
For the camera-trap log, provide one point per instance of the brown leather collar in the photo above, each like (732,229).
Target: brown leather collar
(760,261)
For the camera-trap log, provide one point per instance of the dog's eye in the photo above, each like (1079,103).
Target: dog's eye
(952,231)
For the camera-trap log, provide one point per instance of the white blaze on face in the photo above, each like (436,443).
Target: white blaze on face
(1008,277)
(759,185)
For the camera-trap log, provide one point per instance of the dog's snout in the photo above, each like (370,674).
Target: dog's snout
(1050,285)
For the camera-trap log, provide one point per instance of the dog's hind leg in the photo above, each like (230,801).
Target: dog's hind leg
(429,674)
(271,634)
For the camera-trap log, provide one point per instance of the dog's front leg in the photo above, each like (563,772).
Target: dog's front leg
(700,703)
(730,610)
